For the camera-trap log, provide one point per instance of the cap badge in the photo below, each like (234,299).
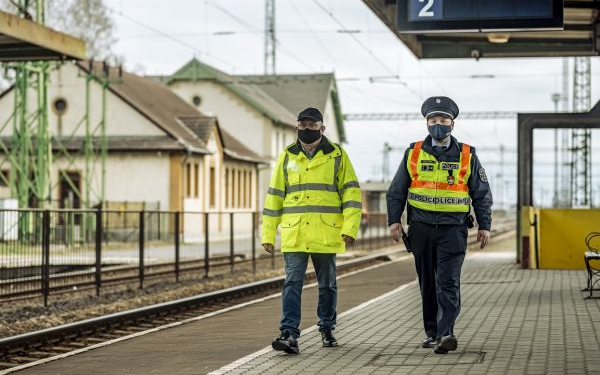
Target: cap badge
(438,101)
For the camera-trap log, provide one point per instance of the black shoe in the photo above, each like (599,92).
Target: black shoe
(329,340)
(286,343)
(429,342)
(446,344)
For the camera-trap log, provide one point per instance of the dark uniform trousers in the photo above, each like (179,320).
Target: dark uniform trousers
(439,252)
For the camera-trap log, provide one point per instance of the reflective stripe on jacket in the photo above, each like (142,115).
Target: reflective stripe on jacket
(439,186)
(316,200)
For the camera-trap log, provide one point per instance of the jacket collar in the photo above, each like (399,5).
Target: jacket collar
(453,149)
(324,146)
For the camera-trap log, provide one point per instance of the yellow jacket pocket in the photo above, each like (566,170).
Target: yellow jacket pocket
(290,230)
(332,229)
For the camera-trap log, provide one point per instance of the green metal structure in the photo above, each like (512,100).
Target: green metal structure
(32,146)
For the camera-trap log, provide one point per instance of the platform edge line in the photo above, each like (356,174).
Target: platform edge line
(175,324)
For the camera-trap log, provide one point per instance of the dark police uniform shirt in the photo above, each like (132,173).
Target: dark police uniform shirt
(479,190)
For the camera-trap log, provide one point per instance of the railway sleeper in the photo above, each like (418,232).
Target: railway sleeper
(21,359)
(60,349)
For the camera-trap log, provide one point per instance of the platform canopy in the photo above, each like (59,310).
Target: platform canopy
(580,36)
(25,40)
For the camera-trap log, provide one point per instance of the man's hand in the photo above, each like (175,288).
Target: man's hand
(483,236)
(268,247)
(348,240)
(395,231)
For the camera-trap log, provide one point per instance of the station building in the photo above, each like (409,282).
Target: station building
(260,109)
(162,152)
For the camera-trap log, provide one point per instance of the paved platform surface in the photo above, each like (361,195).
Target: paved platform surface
(205,345)
(513,321)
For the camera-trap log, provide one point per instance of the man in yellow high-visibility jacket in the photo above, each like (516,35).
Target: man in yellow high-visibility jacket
(314,194)
(438,179)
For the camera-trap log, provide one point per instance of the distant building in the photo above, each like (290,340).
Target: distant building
(261,110)
(163,153)
(373,196)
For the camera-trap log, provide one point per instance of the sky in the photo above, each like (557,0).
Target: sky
(375,73)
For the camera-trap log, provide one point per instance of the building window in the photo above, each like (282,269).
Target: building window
(188,180)
(196,178)
(226,187)
(233,188)
(249,189)
(69,189)
(197,100)
(239,190)
(59,106)
(243,189)
(212,200)
(4,178)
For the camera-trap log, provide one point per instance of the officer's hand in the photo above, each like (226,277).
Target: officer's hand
(395,231)
(348,240)
(483,236)
(268,247)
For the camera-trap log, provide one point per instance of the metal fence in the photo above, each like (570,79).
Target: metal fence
(43,252)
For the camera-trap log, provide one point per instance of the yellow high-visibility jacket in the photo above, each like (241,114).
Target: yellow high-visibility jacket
(316,200)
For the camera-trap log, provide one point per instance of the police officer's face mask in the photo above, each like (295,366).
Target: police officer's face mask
(439,132)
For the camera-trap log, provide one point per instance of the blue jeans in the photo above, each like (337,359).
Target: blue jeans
(295,269)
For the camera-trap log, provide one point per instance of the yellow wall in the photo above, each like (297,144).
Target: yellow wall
(562,235)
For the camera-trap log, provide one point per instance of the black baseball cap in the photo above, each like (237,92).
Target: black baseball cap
(311,113)
(439,105)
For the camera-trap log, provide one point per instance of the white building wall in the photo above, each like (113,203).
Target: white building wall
(69,83)
(130,177)
(245,122)
(331,130)
(235,115)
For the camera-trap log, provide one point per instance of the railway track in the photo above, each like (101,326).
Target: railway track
(68,282)
(31,347)
(28,348)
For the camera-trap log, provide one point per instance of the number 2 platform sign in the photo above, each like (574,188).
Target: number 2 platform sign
(419,16)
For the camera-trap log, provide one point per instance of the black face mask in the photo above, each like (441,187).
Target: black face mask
(439,132)
(309,136)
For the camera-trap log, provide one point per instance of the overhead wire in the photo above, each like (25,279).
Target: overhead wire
(366,48)
(317,39)
(279,31)
(257,32)
(170,37)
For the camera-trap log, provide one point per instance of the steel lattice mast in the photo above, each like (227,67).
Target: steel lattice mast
(270,41)
(581,138)
(29,153)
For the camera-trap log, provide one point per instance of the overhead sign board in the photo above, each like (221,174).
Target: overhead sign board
(419,16)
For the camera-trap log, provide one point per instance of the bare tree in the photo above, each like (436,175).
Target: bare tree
(90,20)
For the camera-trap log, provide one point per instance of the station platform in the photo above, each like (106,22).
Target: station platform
(513,321)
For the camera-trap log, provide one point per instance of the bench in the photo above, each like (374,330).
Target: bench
(592,255)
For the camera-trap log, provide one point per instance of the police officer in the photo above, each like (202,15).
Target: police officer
(439,178)
(315,196)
